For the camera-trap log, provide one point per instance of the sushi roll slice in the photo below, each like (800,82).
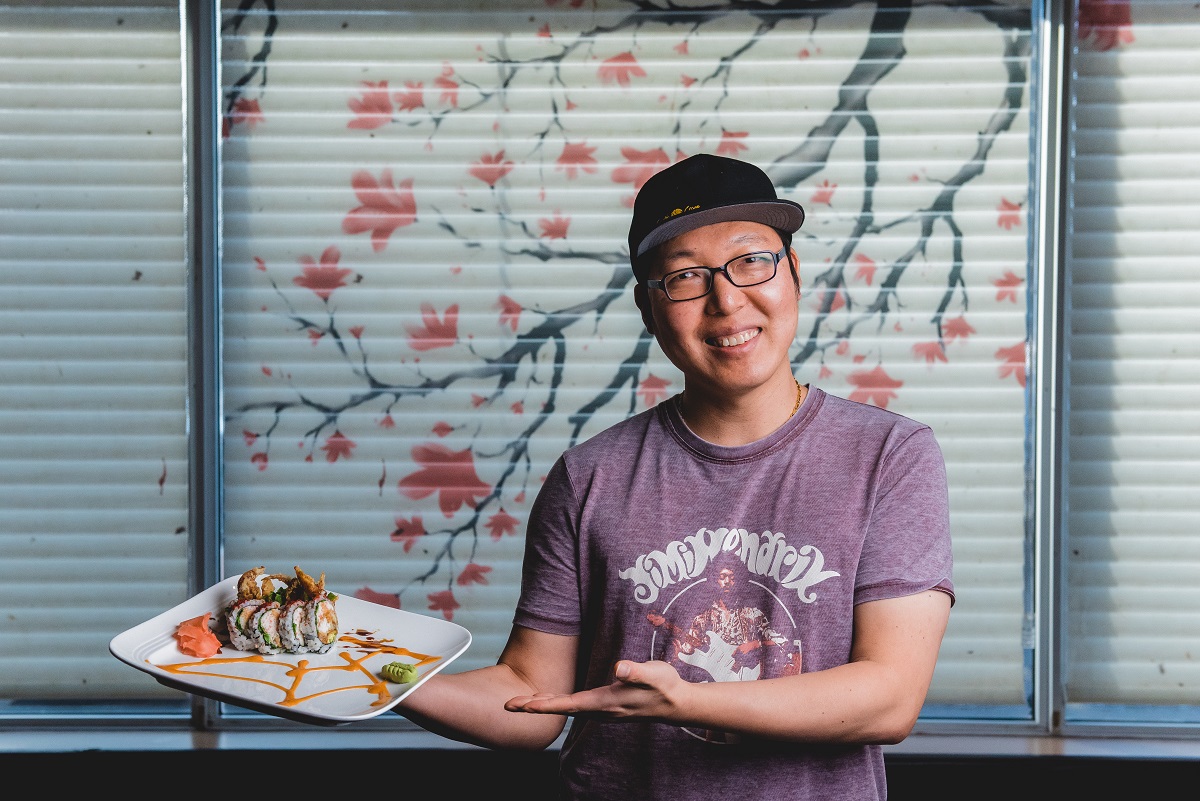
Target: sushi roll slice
(321,624)
(237,623)
(292,620)
(264,628)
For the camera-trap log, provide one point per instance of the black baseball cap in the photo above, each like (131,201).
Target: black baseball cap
(702,190)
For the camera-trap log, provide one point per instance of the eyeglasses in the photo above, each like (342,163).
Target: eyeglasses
(749,269)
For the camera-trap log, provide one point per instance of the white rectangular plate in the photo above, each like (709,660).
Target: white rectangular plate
(337,687)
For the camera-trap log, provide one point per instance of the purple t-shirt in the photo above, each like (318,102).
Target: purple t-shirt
(649,543)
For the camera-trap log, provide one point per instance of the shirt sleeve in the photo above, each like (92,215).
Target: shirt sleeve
(907,546)
(550,580)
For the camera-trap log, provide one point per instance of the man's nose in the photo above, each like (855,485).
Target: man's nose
(723,289)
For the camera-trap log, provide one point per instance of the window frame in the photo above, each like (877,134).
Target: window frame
(1047,730)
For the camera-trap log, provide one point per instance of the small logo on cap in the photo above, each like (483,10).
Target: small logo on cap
(677,212)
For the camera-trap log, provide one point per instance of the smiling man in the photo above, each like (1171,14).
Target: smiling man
(744,589)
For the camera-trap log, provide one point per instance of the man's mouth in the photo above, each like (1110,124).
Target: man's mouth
(735,339)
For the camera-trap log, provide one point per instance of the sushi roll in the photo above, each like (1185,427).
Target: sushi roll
(264,628)
(237,623)
(292,619)
(321,624)
(295,618)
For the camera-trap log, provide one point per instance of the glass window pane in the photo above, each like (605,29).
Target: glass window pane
(1134,514)
(93,343)
(427,295)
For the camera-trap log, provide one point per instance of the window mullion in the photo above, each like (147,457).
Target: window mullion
(202,128)
(1047,376)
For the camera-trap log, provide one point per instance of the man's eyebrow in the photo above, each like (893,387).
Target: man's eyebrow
(682,253)
(749,239)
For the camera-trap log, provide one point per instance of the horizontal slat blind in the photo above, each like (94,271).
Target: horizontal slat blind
(458,335)
(93,449)
(1134,514)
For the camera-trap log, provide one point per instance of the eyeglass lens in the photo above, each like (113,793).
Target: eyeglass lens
(748,269)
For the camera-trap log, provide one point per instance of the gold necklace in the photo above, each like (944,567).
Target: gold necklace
(799,397)
(679,401)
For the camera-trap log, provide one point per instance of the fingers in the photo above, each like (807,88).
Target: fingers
(542,703)
(643,674)
(633,688)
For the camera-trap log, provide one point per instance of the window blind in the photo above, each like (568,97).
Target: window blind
(427,295)
(352,389)
(93,351)
(1134,349)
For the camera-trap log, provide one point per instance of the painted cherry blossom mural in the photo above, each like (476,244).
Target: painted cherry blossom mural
(478,371)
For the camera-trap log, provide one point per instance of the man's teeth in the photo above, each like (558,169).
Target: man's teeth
(736,339)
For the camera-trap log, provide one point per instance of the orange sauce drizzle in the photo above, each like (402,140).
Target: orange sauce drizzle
(360,641)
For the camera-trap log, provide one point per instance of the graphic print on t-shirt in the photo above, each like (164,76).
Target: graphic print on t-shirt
(715,604)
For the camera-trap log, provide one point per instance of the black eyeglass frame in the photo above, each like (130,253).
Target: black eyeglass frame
(660,283)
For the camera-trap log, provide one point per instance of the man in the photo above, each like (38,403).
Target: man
(837,511)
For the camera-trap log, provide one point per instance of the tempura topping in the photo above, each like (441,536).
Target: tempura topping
(253,585)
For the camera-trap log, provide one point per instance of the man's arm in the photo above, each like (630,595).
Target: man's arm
(469,706)
(875,698)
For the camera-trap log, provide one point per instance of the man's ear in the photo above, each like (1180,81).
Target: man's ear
(641,297)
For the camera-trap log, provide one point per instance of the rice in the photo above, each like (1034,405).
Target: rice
(321,624)
(264,628)
(292,624)
(237,623)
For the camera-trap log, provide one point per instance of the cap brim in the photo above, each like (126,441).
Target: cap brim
(782,214)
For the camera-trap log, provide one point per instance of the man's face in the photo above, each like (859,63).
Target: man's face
(734,339)
(725,580)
